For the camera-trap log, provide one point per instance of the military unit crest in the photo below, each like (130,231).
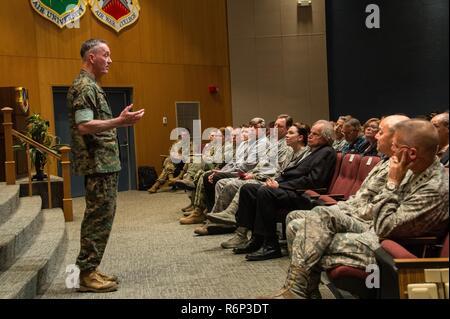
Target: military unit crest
(117,14)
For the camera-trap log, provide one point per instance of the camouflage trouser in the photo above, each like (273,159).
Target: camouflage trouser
(101,193)
(227,194)
(198,196)
(326,237)
(167,172)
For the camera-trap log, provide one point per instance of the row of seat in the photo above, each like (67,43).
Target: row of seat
(350,172)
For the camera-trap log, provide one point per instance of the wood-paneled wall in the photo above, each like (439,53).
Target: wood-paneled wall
(172,53)
(278,60)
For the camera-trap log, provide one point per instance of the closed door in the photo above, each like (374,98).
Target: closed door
(118,98)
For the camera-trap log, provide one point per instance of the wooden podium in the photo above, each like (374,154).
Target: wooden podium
(17,99)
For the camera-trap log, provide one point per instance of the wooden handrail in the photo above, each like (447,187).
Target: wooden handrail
(10,165)
(40,147)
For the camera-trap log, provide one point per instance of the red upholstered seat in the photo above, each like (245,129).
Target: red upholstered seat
(346,271)
(366,164)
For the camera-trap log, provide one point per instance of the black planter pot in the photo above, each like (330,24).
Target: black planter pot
(39,163)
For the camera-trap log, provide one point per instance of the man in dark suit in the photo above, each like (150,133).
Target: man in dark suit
(258,204)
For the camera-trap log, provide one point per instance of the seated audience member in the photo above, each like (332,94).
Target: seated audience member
(258,204)
(277,153)
(296,139)
(370,129)
(248,148)
(171,163)
(223,212)
(440,122)
(211,158)
(353,137)
(412,202)
(257,146)
(339,141)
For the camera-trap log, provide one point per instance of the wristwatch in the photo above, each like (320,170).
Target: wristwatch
(391,186)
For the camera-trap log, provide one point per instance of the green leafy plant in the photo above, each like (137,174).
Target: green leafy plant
(38,130)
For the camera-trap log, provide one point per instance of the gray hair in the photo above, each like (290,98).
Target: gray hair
(327,131)
(88,46)
(355,123)
(258,121)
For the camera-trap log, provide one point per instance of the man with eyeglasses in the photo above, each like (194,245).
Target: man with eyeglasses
(354,138)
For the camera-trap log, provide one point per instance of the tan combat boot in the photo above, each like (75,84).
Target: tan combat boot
(106,277)
(295,286)
(188,208)
(202,230)
(90,281)
(154,188)
(196,217)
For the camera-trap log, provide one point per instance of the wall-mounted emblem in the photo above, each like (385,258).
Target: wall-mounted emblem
(60,12)
(117,14)
(22,99)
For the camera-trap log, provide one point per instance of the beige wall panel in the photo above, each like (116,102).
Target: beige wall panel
(242,13)
(16,29)
(267,18)
(303,20)
(296,77)
(318,78)
(225,92)
(162,31)
(291,71)
(270,77)
(318,17)
(243,79)
(295,19)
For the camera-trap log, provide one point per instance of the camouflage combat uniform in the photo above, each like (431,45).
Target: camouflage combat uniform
(96,156)
(338,235)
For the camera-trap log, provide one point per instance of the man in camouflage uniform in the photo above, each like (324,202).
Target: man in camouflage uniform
(412,202)
(96,156)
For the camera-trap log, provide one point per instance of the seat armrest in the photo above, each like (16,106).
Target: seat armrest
(396,250)
(337,197)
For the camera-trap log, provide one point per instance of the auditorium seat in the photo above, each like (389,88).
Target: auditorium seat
(400,267)
(366,164)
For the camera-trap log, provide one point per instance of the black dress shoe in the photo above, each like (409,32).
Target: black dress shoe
(264,253)
(252,245)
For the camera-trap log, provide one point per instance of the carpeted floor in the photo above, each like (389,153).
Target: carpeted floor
(156,257)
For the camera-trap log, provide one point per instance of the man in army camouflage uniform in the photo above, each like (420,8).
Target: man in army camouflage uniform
(96,156)
(413,201)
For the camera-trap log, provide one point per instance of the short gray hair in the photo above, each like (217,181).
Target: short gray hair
(90,45)
(327,131)
(258,121)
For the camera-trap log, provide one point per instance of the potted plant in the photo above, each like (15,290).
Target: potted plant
(37,129)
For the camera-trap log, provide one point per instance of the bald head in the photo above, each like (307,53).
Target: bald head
(441,119)
(386,133)
(419,134)
(392,120)
(440,122)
